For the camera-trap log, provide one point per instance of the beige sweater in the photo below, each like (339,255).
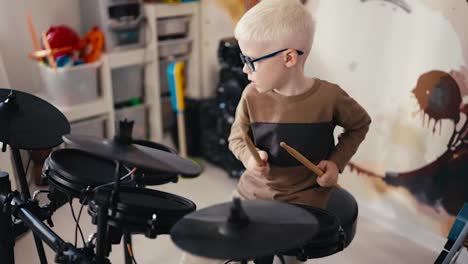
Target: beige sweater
(306,123)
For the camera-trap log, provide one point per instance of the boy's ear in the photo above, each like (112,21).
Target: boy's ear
(290,58)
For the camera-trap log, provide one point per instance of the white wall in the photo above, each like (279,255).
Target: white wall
(16,43)
(216,23)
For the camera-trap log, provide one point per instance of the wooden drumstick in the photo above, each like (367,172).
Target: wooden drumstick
(253,150)
(311,166)
(40,54)
(32,32)
(50,57)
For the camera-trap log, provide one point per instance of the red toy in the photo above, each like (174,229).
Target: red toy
(62,36)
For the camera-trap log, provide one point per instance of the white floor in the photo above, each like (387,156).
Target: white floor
(372,243)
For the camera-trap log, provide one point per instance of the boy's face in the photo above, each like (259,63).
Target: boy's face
(268,72)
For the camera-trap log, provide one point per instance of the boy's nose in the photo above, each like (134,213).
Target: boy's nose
(246,69)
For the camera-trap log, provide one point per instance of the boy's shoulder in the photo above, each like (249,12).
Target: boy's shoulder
(250,91)
(330,89)
(250,88)
(328,86)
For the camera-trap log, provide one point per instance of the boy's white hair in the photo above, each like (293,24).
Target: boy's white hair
(284,21)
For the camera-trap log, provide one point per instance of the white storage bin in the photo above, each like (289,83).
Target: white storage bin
(94,127)
(71,85)
(138,115)
(177,47)
(173,27)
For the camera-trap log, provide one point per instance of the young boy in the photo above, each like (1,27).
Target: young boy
(281,104)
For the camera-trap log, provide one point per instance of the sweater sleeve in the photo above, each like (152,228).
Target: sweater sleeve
(240,126)
(348,114)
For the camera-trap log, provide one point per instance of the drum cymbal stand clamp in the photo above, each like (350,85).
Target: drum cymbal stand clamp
(37,192)
(302,256)
(85,195)
(151,232)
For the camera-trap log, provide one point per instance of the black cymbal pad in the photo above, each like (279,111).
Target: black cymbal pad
(272,227)
(28,122)
(136,155)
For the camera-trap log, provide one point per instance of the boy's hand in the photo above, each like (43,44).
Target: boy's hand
(256,169)
(330,173)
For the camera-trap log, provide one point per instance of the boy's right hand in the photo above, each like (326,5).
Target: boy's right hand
(257,169)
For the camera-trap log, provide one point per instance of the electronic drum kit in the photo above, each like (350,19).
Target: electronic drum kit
(110,176)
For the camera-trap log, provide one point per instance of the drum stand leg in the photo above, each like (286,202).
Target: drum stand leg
(102,200)
(106,201)
(7,241)
(26,195)
(127,238)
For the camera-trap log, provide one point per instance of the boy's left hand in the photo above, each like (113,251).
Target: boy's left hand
(330,173)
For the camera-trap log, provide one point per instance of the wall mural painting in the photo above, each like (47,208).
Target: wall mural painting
(444,181)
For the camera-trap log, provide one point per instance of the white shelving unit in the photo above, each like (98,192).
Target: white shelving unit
(144,56)
(149,57)
(153,12)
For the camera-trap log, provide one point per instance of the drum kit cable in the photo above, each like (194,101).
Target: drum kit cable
(109,176)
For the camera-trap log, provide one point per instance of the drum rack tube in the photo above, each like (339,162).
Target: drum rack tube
(66,253)
(25,194)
